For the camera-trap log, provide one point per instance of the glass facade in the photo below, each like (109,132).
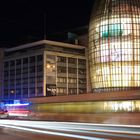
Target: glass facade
(114,45)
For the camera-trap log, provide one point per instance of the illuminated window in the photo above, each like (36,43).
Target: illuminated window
(72,80)
(61,69)
(61,59)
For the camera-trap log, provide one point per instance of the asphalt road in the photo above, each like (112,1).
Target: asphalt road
(43,130)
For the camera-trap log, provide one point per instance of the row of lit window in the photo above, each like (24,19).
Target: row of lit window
(122,52)
(103,44)
(63,91)
(120,77)
(71,80)
(125,34)
(118,71)
(115,84)
(61,69)
(117,78)
(106,51)
(119,43)
(116,58)
(71,60)
(111,28)
(107,69)
(116,18)
(124,18)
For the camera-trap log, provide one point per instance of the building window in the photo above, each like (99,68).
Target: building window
(32,69)
(25,81)
(39,91)
(82,90)
(18,82)
(61,91)
(72,91)
(82,81)
(39,79)
(32,80)
(61,69)
(6,73)
(5,83)
(32,59)
(72,80)
(18,71)
(18,62)
(6,64)
(25,70)
(61,80)
(12,63)
(12,72)
(81,62)
(72,60)
(39,68)
(32,92)
(72,70)
(25,60)
(25,92)
(39,58)
(6,93)
(18,93)
(82,71)
(61,59)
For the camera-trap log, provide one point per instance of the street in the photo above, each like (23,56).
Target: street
(39,130)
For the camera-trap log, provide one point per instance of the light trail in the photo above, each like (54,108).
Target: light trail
(54,133)
(80,128)
(68,125)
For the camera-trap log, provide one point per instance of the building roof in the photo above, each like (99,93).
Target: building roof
(44,42)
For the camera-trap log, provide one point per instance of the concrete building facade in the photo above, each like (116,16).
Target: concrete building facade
(44,68)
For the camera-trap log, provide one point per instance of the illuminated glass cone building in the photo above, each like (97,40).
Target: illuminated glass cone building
(114,45)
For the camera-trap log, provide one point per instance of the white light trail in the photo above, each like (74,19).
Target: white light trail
(53,133)
(79,129)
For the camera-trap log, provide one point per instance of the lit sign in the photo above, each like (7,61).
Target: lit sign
(16,101)
(18,104)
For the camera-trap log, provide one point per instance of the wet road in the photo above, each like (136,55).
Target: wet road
(43,130)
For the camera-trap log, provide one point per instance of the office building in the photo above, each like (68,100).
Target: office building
(44,68)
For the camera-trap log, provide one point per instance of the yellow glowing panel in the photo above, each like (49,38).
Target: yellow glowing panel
(115,45)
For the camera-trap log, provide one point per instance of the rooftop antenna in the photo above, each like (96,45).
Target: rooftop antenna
(44,26)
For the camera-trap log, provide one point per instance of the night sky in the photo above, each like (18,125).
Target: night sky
(22,21)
